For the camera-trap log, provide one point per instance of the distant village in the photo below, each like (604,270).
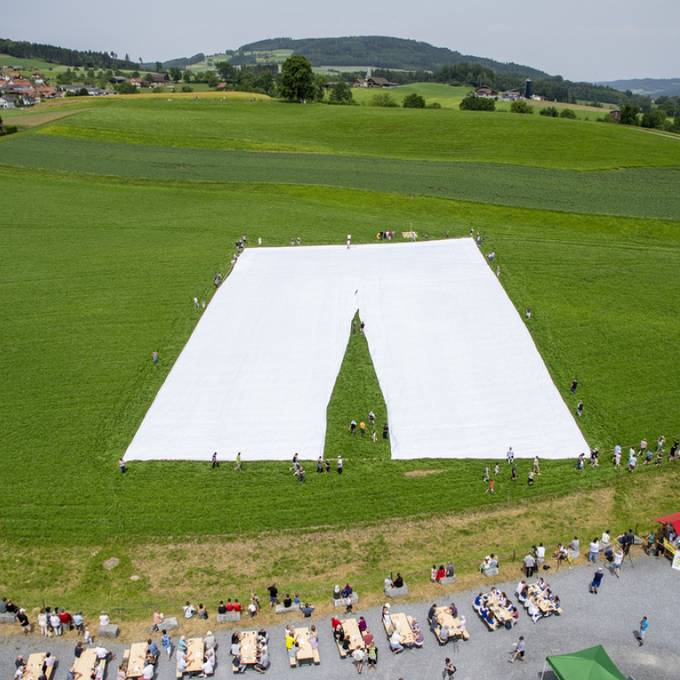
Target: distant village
(22,88)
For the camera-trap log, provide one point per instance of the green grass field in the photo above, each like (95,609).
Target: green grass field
(438,135)
(103,254)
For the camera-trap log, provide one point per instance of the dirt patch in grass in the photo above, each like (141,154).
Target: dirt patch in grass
(422,473)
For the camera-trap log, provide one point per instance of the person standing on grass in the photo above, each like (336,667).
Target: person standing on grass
(519,650)
(121,466)
(353,426)
(490,488)
(579,408)
(537,466)
(340,465)
(386,431)
(362,428)
(237,465)
(594,551)
(449,669)
(371,419)
(485,476)
(530,478)
(510,456)
(644,626)
(574,385)
(617,456)
(154,357)
(513,474)
(319,464)
(213,461)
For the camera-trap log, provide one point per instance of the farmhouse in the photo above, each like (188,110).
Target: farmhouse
(156,79)
(373,81)
(485,91)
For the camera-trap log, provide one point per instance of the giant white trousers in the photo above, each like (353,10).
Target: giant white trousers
(458,369)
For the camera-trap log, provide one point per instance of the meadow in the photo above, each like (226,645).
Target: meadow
(103,255)
(439,135)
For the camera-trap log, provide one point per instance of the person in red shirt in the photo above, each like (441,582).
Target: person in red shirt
(237,606)
(66,620)
(441,573)
(230,606)
(335,622)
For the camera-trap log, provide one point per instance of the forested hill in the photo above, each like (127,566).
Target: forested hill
(379,51)
(653,87)
(63,55)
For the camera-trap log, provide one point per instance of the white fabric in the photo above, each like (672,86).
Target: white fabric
(459,371)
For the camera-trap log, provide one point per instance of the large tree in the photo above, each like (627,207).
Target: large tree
(297,79)
(341,93)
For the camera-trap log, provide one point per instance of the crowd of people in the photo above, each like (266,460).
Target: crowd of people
(495,609)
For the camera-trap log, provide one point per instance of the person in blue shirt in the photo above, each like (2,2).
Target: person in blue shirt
(597,581)
(166,643)
(644,626)
(152,651)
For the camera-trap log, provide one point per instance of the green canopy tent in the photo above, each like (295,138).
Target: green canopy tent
(588,664)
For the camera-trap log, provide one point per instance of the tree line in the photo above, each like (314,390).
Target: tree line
(62,55)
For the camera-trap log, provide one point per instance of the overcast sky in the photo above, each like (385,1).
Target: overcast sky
(579,39)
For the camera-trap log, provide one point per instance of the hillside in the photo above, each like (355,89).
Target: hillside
(379,51)
(651,87)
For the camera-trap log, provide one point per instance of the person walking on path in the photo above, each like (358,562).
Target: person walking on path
(449,669)
(597,581)
(519,651)
(166,643)
(644,626)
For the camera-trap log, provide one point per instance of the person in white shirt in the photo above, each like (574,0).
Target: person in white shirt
(104,619)
(42,623)
(358,659)
(101,652)
(208,668)
(533,611)
(594,551)
(540,555)
(147,673)
(181,664)
(605,539)
(55,623)
(48,662)
(395,642)
(510,455)
(618,559)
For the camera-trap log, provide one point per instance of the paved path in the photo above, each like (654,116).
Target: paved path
(648,587)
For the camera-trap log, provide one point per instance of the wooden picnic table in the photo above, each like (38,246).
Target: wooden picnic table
(248,642)
(350,628)
(136,660)
(86,663)
(501,612)
(195,649)
(401,624)
(305,651)
(34,667)
(454,626)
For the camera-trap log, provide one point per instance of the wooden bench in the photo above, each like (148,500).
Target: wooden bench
(229,617)
(397,592)
(343,601)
